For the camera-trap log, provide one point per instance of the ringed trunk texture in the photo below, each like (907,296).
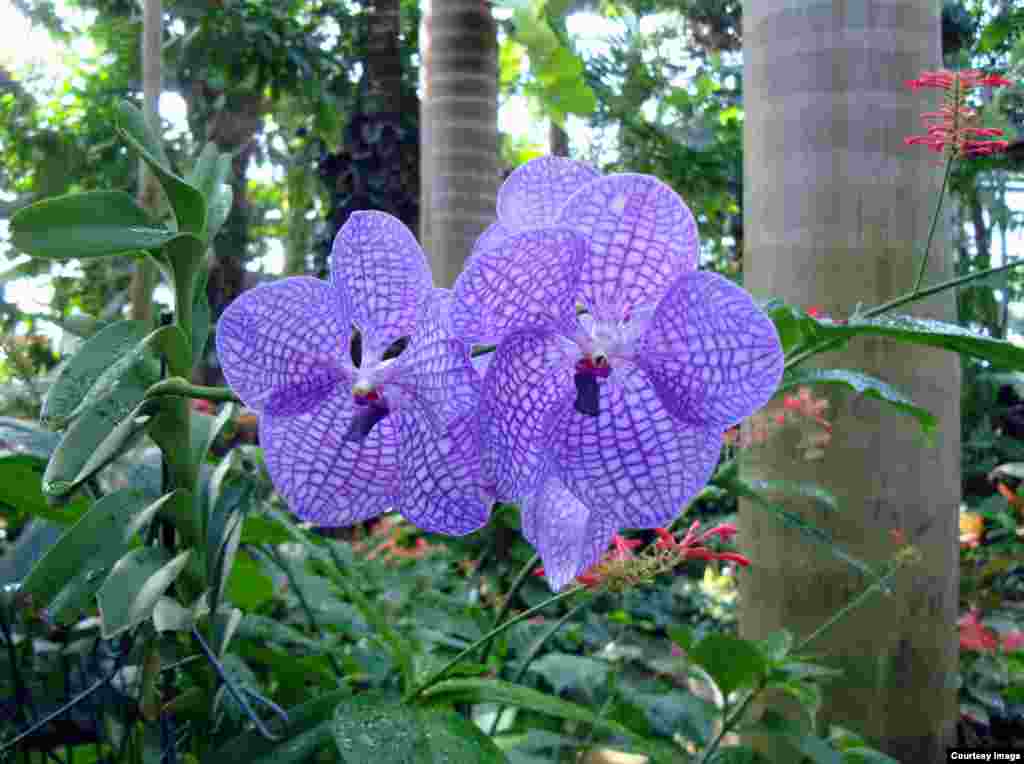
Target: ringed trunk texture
(836,211)
(459,162)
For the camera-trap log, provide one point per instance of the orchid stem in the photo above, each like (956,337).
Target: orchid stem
(443,672)
(182,387)
(935,221)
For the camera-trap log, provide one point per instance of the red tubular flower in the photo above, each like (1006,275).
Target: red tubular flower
(952,127)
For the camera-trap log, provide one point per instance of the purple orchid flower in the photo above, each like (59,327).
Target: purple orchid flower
(345,441)
(618,365)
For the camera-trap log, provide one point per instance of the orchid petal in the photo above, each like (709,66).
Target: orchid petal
(568,536)
(327,479)
(534,193)
(378,268)
(713,356)
(440,489)
(641,235)
(526,385)
(492,236)
(633,460)
(287,335)
(530,279)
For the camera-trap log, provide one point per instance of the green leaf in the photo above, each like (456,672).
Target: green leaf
(131,120)
(309,728)
(98,436)
(131,591)
(496,691)
(203,175)
(219,209)
(107,521)
(21,477)
(78,594)
(793,488)
(93,224)
(866,756)
(370,729)
(171,342)
(572,672)
(862,384)
(732,662)
(206,428)
(85,368)
(201,316)
(187,202)
(774,723)
(1013,470)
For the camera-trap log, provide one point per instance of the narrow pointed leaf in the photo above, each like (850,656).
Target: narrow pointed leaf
(218,210)
(132,121)
(93,224)
(136,583)
(862,384)
(204,171)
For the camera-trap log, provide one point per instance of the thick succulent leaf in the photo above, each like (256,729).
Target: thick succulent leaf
(135,584)
(568,536)
(288,335)
(527,385)
(326,478)
(439,485)
(714,357)
(530,279)
(377,266)
(79,374)
(641,235)
(535,192)
(92,224)
(633,460)
(862,384)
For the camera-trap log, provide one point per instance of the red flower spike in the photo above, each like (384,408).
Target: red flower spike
(951,126)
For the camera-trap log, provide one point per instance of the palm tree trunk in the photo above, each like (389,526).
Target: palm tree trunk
(458,131)
(837,210)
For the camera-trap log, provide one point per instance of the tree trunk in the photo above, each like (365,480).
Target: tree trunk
(459,159)
(144,277)
(837,213)
(383,59)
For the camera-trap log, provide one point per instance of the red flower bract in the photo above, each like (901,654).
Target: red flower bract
(953,126)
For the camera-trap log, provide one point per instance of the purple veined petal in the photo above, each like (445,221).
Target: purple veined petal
(287,335)
(377,266)
(327,479)
(530,279)
(436,372)
(633,460)
(527,385)
(568,536)
(714,357)
(492,236)
(642,237)
(534,193)
(440,490)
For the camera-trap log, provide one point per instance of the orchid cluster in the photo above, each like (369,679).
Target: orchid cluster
(617,366)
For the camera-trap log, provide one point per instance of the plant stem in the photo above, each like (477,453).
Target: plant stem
(935,220)
(184,388)
(506,605)
(443,672)
(885,307)
(534,651)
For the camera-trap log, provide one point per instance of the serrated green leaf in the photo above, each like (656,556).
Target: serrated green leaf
(862,384)
(136,583)
(92,224)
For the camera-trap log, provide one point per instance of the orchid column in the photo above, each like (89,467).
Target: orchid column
(837,210)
